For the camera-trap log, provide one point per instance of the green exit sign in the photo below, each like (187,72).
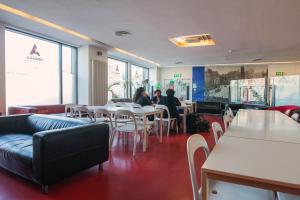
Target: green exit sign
(177,75)
(279,73)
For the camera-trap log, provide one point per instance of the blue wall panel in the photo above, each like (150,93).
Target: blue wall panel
(198,86)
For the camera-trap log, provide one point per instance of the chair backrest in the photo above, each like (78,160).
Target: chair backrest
(295,116)
(230,113)
(217,129)
(148,108)
(101,112)
(136,105)
(80,110)
(163,107)
(119,118)
(287,112)
(226,122)
(194,143)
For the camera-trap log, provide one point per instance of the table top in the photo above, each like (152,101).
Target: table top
(264,125)
(257,160)
(136,111)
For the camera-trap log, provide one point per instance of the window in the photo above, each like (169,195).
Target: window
(139,78)
(69,74)
(117,79)
(33,70)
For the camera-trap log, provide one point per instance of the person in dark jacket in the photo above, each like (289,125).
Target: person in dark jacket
(141,97)
(158,98)
(172,102)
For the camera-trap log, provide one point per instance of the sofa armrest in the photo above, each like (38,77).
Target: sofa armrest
(13,110)
(13,123)
(63,152)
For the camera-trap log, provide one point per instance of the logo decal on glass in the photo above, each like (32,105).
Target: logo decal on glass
(34,54)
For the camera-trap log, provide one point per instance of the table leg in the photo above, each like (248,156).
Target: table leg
(161,126)
(145,134)
(204,185)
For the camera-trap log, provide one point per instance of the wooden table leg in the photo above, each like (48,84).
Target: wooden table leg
(204,185)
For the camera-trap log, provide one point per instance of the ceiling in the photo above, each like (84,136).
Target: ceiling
(243,29)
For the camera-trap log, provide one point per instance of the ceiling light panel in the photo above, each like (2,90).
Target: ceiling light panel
(193,40)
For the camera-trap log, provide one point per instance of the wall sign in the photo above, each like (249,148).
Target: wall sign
(279,73)
(177,75)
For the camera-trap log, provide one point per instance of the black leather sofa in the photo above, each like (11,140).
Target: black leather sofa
(210,107)
(46,149)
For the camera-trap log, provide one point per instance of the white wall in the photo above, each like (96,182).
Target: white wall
(2,69)
(168,73)
(288,69)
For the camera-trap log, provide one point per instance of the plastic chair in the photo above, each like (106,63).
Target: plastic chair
(226,121)
(230,114)
(288,112)
(217,130)
(102,115)
(295,116)
(285,196)
(219,189)
(79,111)
(130,126)
(169,120)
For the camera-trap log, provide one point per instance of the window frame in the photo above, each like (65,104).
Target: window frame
(129,92)
(60,63)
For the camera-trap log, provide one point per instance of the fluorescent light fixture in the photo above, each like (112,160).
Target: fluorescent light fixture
(135,56)
(193,40)
(66,30)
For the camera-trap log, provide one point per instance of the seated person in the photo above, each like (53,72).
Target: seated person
(172,103)
(158,98)
(141,97)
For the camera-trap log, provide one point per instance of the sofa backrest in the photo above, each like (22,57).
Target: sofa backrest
(41,109)
(37,123)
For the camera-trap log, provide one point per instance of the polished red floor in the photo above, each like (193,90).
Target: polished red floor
(159,174)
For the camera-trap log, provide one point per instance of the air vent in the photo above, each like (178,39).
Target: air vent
(193,40)
(178,62)
(257,59)
(122,33)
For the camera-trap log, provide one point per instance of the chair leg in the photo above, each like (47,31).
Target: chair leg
(134,143)
(45,189)
(168,133)
(176,126)
(100,167)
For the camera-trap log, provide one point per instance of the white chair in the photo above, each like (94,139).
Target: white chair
(217,130)
(230,114)
(295,116)
(169,120)
(226,121)
(285,196)
(80,110)
(288,112)
(102,115)
(219,189)
(130,126)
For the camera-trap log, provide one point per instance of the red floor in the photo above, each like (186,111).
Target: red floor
(160,173)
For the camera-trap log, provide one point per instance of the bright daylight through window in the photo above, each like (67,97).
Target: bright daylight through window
(34,73)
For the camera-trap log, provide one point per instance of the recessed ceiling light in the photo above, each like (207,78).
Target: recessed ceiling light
(193,40)
(122,33)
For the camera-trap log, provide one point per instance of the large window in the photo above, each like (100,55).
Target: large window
(117,79)
(124,78)
(38,71)
(139,78)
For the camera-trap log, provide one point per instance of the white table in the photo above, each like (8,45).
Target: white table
(135,111)
(258,163)
(264,125)
(260,149)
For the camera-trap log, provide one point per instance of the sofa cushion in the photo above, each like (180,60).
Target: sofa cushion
(50,122)
(16,153)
